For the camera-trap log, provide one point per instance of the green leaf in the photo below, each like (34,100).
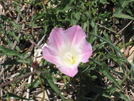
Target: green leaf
(122,96)
(77,15)
(110,44)
(92,38)
(7,95)
(104,2)
(121,15)
(11,62)
(106,72)
(124,3)
(18,10)
(59,9)
(9,52)
(13,34)
(15,62)
(115,58)
(34,84)
(53,86)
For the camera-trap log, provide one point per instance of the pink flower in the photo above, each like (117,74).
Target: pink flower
(67,48)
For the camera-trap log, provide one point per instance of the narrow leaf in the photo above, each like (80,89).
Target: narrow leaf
(121,15)
(7,95)
(109,76)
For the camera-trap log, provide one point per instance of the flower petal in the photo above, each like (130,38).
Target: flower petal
(74,35)
(50,56)
(56,39)
(70,71)
(86,51)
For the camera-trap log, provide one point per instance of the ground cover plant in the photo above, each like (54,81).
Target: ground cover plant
(102,50)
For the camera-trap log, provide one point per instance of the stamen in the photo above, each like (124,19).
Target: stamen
(70,58)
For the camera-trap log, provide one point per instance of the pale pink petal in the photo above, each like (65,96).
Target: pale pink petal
(70,71)
(74,35)
(86,51)
(56,39)
(50,56)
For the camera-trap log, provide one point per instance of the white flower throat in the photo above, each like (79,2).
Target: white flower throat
(70,58)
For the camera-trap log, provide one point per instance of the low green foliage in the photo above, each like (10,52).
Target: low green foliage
(108,73)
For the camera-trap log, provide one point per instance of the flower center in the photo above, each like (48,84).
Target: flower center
(70,58)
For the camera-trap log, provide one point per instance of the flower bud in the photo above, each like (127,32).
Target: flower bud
(35,65)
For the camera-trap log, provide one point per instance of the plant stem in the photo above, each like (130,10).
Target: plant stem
(38,74)
(26,75)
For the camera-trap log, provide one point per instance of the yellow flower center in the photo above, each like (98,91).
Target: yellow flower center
(70,58)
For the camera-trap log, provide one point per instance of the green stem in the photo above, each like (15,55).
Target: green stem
(38,74)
